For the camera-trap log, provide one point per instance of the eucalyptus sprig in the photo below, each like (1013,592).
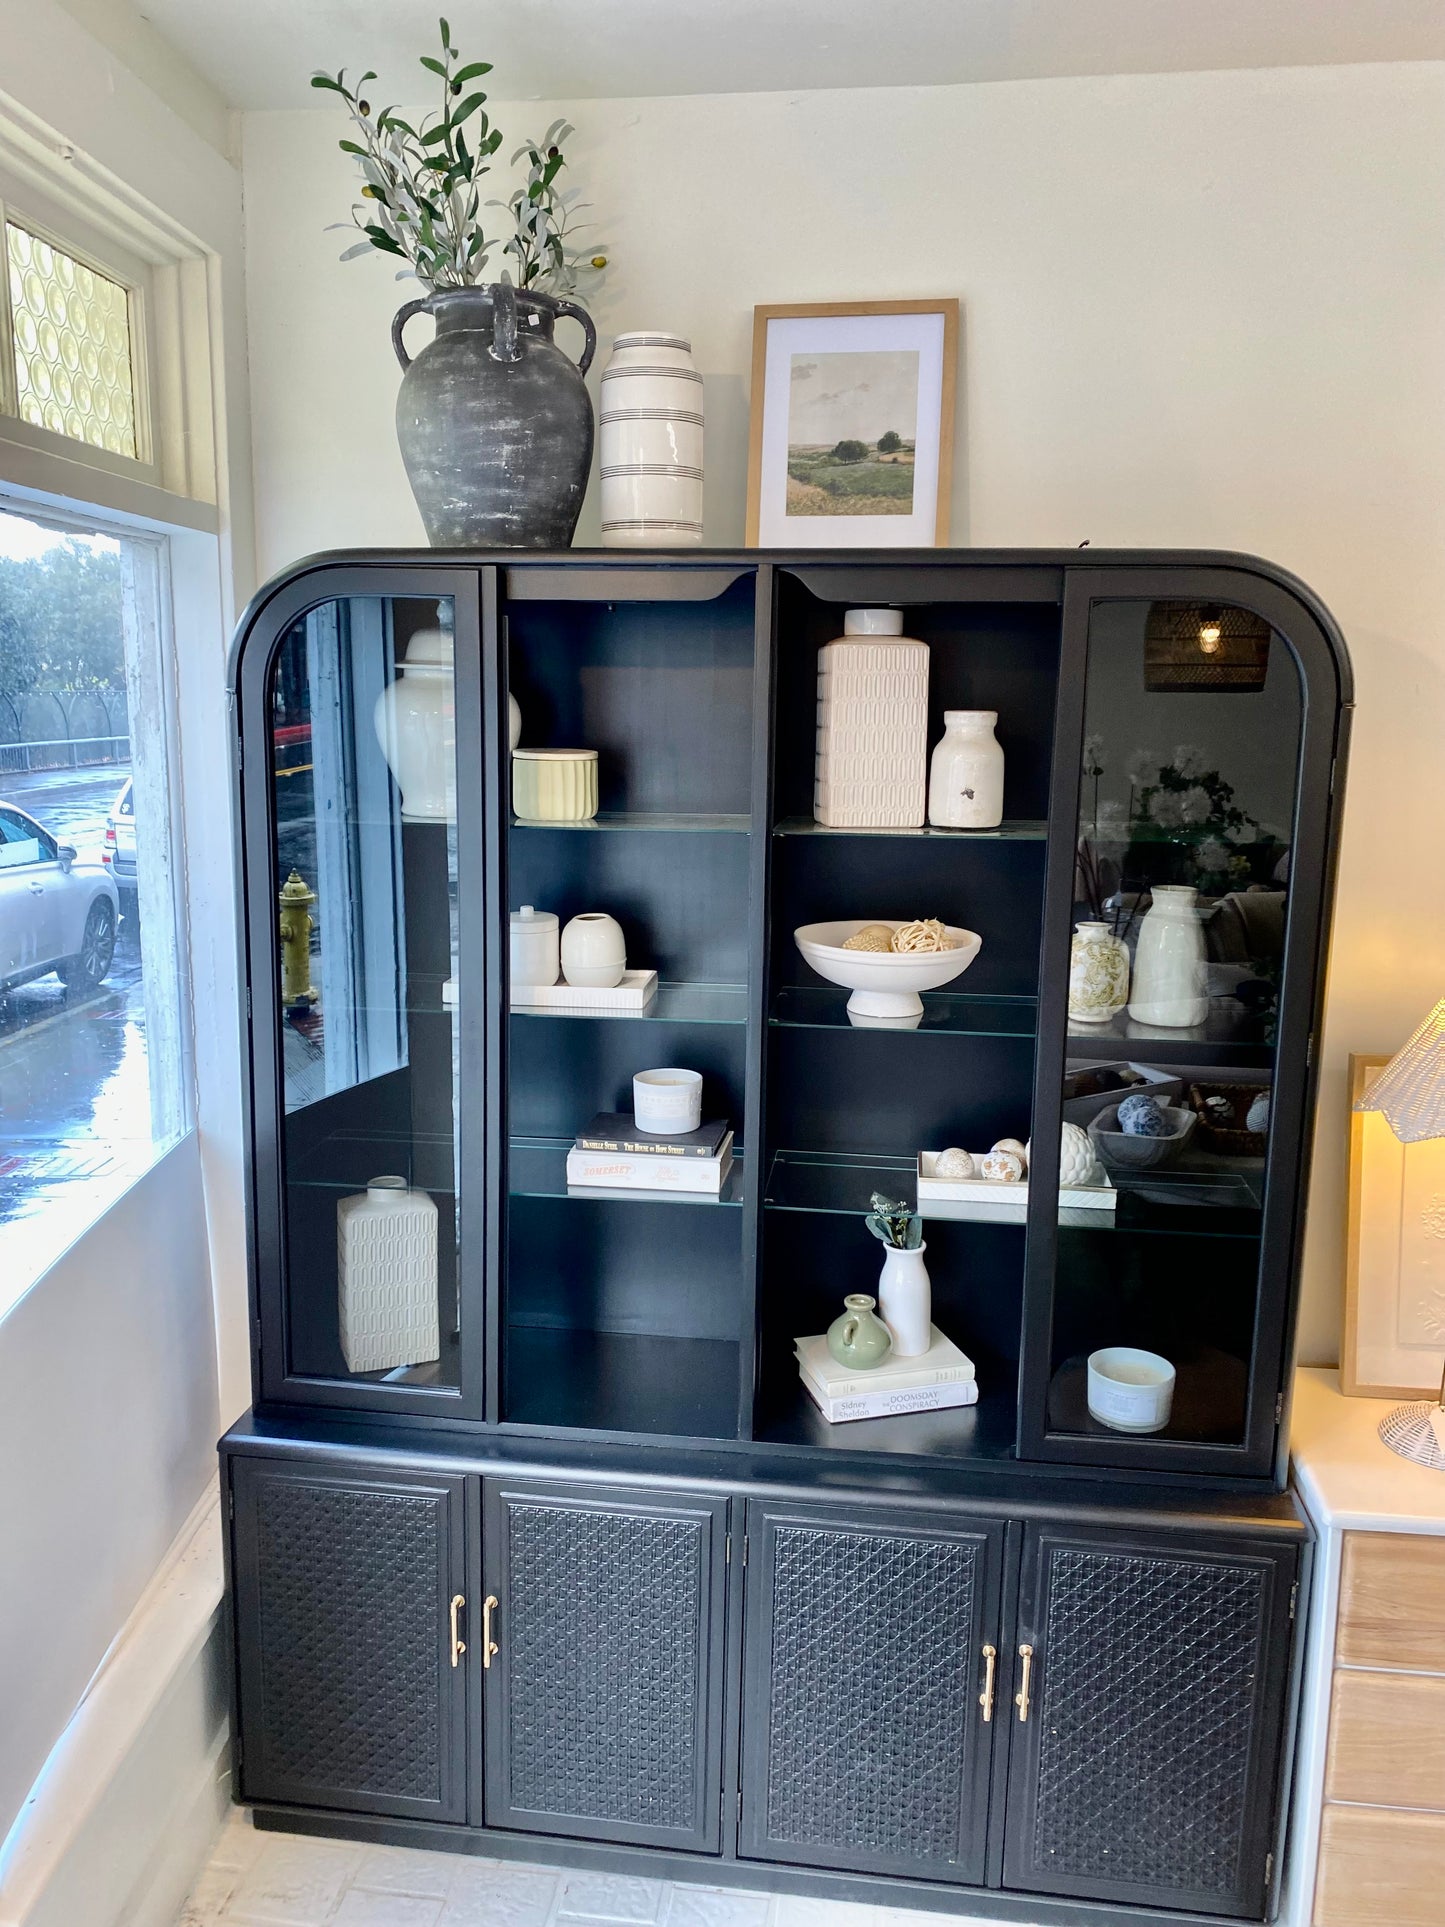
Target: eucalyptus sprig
(543,217)
(894,1223)
(421,199)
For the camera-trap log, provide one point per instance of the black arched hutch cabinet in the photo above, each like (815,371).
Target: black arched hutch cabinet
(538,1545)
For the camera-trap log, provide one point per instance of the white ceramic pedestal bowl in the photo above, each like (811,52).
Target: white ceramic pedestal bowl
(885,985)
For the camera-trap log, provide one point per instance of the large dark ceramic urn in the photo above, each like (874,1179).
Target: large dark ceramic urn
(494,420)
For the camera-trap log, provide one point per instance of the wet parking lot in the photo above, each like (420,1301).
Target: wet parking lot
(74,1092)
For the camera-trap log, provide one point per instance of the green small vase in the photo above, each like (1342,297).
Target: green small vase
(859,1338)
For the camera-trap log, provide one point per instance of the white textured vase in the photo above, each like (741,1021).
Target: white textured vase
(594,953)
(965,783)
(386,1263)
(872,748)
(651,424)
(905,1301)
(1098,974)
(415,719)
(1169,962)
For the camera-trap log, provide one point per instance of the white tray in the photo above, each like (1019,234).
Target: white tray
(985,1197)
(636,989)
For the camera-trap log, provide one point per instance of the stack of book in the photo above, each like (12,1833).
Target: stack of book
(613,1155)
(940,1377)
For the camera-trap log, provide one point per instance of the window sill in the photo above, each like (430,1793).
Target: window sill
(43,467)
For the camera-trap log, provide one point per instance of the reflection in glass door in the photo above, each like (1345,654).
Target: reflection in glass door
(1193,718)
(363,742)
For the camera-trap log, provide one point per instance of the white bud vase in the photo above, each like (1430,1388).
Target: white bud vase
(1169,962)
(905,1300)
(965,779)
(1098,974)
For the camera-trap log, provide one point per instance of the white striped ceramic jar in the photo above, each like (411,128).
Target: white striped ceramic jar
(651,457)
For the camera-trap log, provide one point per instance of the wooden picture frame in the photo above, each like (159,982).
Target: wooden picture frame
(1391,1238)
(914,340)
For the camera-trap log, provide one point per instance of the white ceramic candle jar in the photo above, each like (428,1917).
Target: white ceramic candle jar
(535,948)
(554,785)
(667,1103)
(594,954)
(1130,1390)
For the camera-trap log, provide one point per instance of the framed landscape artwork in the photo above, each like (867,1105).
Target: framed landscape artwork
(1395,1256)
(852,425)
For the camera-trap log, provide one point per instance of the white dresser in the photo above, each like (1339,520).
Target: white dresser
(1367,1839)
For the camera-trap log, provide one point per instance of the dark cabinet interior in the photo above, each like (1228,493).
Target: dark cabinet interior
(1008,1647)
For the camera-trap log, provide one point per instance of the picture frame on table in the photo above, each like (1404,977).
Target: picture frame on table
(851,440)
(1394,1331)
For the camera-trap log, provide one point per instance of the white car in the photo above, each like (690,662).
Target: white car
(55,912)
(118,856)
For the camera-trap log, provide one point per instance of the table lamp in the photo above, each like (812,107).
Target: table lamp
(1410,1093)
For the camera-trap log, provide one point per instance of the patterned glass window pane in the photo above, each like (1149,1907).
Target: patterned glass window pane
(71,327)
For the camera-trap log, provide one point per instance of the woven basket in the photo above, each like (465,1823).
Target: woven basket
(1232,1139)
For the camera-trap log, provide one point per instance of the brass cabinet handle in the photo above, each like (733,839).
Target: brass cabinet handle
(490,1648)
(459,1645)
(985,1698)
(1021,1697)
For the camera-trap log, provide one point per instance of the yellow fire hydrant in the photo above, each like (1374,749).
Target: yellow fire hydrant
(297,989)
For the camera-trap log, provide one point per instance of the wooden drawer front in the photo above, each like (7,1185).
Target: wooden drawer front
(1379,1869)
(1387,1741)
(1392,1602)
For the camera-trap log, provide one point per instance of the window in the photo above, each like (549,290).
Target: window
(70,335)
(94,1052)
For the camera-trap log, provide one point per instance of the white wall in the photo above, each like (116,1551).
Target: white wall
(1199,309)
(109,1367)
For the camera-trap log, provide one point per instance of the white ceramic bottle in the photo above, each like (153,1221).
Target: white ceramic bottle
(651,423)
(871,769)
(965,784)
(594,953)
(386,1264)
(1169,962)
(905,1301)
(416,724)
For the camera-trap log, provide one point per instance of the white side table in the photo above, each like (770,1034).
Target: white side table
(1367,1835)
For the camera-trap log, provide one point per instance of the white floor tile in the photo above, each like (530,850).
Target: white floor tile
(361,1909)
(292,1883)
(807,1910)
(406,1870)
(506,1896)
(594,1897)
(239,1843)
(717,1907)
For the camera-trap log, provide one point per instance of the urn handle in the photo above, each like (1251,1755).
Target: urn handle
(580,314)
(403,315)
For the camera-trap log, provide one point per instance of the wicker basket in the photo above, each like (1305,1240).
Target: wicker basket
(1231,1139)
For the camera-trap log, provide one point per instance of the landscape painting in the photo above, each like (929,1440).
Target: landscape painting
(852,428)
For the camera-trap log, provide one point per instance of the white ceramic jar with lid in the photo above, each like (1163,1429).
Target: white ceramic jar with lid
(871,769)
(535,946)
(416,725)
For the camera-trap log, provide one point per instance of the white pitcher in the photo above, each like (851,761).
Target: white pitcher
(1169,962)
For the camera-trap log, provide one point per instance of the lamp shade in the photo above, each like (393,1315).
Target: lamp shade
(1410,1090)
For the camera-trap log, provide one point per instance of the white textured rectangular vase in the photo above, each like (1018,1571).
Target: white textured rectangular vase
(386,1263)
(872,754)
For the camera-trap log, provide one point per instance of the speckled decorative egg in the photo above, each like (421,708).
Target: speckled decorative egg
(1020,1151)
(1077,1163)
(1142,1117)
(1001,1167)
(953,1163)
(1257,1117)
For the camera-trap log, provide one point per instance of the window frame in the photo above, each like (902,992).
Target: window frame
(126,271)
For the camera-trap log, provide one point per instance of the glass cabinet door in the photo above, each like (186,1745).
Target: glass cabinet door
(365,969)
(1192,735)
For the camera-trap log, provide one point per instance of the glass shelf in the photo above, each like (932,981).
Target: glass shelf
(814,1008)
(1023,829)
(1229,1035)
(670,1004)
(833,1181)
(537,1168)
(347,1160)
(1196,1204)
(644,820)
(604,1381)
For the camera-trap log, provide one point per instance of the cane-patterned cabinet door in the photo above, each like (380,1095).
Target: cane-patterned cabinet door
(871,1690)
(350,1694)
(1148,1718)
(604,1682)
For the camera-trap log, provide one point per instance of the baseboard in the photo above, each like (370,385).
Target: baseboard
(135,1791)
